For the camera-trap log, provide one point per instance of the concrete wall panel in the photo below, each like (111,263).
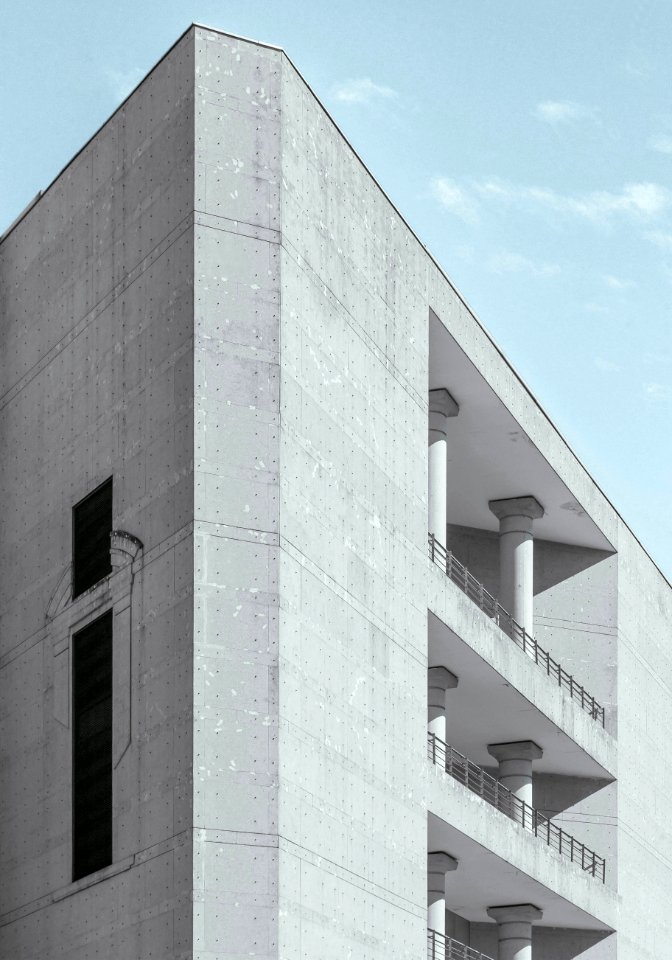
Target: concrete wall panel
(353,613)
(97,380)
(236,498)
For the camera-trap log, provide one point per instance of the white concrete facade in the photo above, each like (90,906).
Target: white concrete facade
(217,306)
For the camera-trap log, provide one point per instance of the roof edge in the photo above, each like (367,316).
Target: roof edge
(194,26)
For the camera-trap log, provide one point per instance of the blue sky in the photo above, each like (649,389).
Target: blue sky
(529,144)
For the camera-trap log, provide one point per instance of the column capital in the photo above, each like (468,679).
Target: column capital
(440,401)
(441,407)
(516,913)
(438,861)
(519,750)
(440,678)
(527,506)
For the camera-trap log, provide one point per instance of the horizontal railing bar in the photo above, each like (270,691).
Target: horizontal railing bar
(476,779)
(441,947)
(475,590)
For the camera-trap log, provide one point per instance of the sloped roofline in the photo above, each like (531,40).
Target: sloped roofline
(271,46)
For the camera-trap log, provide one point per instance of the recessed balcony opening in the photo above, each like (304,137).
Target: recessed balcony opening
(570,803)
(563,593)
(479,882)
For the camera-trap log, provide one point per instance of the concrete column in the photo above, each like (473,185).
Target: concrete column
(440,680)
(439,863)
(516,556)
(515,766)
(441,408)
(515,929)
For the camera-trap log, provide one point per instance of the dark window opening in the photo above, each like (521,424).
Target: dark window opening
(92,526)
(92,747)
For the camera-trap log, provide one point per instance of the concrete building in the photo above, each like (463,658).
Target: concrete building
(249,708)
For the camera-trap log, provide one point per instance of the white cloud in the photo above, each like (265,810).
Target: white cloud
(507,262)
(592,306)
(657,358)
(662,240)
(122,82)
(363,90)
(616,283)
(657,391)
(606,366)
(455,199)
(662,143)
(640,69)
(561,111)
(635,200)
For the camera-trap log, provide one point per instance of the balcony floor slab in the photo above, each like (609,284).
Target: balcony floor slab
(503,695)
(499,862)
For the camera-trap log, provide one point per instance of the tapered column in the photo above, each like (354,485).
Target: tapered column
(515,929)
(440,680)
(516,556)
(441,408)
(439,863)
(515,766)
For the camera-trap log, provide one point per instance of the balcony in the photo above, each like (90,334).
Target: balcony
(440,947)
(491,790)
(475,590)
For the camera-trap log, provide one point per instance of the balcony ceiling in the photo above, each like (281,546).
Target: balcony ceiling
(483,879)
(490,457)
(509,717)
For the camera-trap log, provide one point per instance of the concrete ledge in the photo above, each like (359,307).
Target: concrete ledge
(478,631)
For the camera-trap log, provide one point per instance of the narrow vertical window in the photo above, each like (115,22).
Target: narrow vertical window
(92,747)
(92,525)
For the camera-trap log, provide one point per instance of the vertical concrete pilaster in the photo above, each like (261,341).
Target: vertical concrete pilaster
(439,863)
(441,408)
(440,680)
(516,556)
(515,929)
(515,766)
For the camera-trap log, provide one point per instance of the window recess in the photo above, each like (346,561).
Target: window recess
(92,747)
(92,525)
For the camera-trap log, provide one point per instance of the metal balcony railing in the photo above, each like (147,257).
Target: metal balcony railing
(440,947)
(478,781)
(475,590)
